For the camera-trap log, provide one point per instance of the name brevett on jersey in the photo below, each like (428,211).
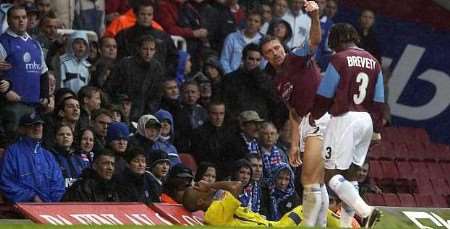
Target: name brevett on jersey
(33,66)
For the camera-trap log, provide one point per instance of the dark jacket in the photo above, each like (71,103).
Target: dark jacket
(214,144)
(224,25)
(369,43)
(186,120)
(166,53)
(92,188)
(251,90)
(141,81)
(139,188)
(71,165)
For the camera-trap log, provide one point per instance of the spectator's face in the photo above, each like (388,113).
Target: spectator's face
(109,48)
(362,172)
(280,31)
(71,110)
(64,137)
(34,131)
(209,175)
(212,73)
(33,21)
(165,128)
(269,137)
(116,116)
(145,16)
(152,133)
(161,169)
(50,27)
(297,5)
(93,102)
(171,90)
(254,23)
(257,169)
(367,19)
(104,166)
(191,94)
(217,115)
(126,108)
(18,21)
(266,13)
(43,6)
(283,179)
(274,53)
(79,48)
(87,141)
(119,146)
(279,8)
(244,175)
(101,124)
(147,51)
(137,164)
(250,129)
(322,4)
(331,9)
(51,83)
(252,60)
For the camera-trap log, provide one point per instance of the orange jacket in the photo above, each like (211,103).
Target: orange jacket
(126,20)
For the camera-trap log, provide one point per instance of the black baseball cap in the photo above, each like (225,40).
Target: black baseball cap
(181,171)
(30,119)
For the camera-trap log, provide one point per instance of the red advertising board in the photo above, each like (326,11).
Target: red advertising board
(177,214)
(92,213)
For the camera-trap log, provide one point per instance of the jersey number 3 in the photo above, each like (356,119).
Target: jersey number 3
(363,80)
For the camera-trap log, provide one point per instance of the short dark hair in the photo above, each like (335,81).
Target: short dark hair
(202,168)
(12,9)
(62,104)
(215,102)
(266,39)
(104,152)
(256,156)
(142,4)
(103,40)
(189,82)
(144,39)
(248,48)
(87,92)
(342,33)
(99,112)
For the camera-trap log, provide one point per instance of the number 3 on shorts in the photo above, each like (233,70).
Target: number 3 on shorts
(363,80)
(328,153)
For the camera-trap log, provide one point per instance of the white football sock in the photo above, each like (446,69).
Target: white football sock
(349,195)
(323,212)
(312,201)
(347,212)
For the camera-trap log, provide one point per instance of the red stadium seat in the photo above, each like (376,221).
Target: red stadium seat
(374,199)
(420,169)
(424,186)
(391,199)
(421,135)
(441,186)
(436,170)
(405,170)
(423,200)
(375,169)
(389,169)
(415,151)
(406,200)
(439,201)
(188,161)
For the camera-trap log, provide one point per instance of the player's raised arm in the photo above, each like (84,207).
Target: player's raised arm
(315,33)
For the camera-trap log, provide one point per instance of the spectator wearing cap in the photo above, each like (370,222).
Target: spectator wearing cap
(248,125)
(101,118)
(97,183)
(158,168)
(117,141)
(249,88)
(28,172)
(71,164)
(166,136)
(136,184)
(179,179)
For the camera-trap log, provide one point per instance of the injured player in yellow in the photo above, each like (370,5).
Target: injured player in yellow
(222,208)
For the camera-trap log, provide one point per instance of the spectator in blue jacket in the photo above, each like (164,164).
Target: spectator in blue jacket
(28,172)
(71,163)
(166,136)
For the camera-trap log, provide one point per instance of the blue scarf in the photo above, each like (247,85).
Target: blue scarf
(251,198)
(252,144)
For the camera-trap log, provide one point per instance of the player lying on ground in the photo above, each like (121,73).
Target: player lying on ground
(222,208)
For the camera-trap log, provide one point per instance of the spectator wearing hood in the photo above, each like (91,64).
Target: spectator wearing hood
(74,67)
(283,197)
(214,74)
(166,136)
(158,167)
(137,184)
(117,140)
(184,67)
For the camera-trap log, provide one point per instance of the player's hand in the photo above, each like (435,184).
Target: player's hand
(4,65)
(311,7)
(202,186)
(13,97)
(294,156)
(4,85)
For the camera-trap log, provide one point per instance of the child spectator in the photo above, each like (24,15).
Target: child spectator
(86,145)
(166,136)
(206,171)
(283,196)
(158,168)
(74,71)
(71,164)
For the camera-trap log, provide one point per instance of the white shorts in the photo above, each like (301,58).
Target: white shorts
(347,140)
(306,130)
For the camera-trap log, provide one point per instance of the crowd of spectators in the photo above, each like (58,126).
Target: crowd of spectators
(103,112)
